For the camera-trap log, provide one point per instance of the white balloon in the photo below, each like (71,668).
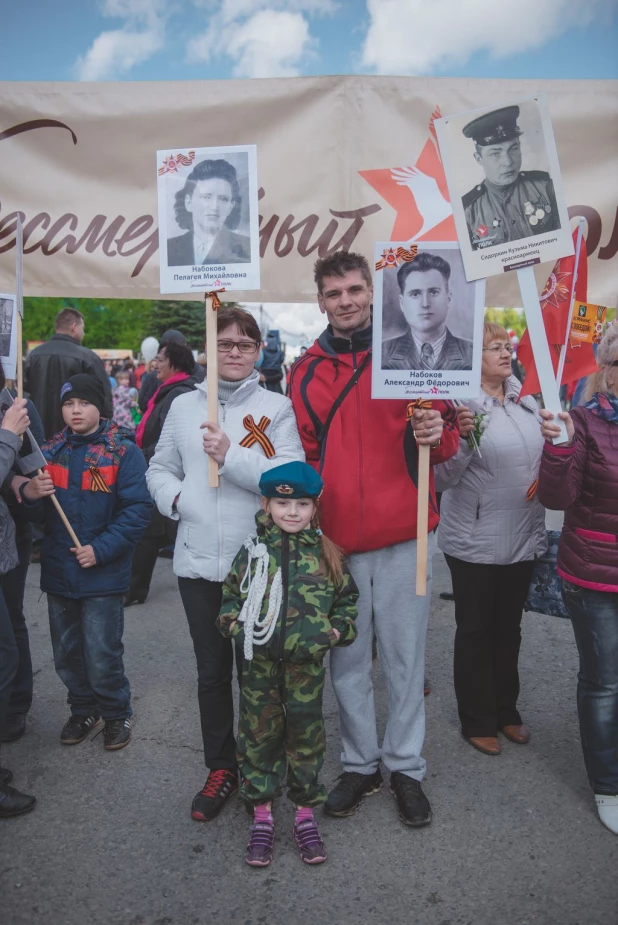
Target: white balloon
(149,348)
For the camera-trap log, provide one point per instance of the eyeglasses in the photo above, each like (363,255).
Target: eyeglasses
(498,348)
(245,346)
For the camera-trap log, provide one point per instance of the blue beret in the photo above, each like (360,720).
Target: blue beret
(292,480)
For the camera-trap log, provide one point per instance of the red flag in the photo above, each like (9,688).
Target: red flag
(555,302)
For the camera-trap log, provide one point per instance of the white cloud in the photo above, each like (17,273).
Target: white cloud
(113,53)
(264,38)
(418,37)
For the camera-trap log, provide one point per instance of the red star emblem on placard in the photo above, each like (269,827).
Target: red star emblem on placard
(435,390)
(418,194)
(482,231)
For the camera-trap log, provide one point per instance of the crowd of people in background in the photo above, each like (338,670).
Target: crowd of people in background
(307,547)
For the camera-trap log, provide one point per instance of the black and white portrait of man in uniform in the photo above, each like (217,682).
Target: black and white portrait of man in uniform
(425,301)
(509,203)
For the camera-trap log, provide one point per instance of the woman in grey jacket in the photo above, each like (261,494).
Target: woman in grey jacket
(14,424)
(492,527)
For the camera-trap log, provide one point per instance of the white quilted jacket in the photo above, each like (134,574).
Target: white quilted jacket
(485,516)
(214,522)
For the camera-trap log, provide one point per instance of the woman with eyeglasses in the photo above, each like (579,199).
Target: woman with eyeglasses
(256,431)
(580,477)
(492,528)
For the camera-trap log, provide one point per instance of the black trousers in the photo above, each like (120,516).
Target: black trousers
(489,601)
(12,585)
(215,661)
(161,532)
(9,660)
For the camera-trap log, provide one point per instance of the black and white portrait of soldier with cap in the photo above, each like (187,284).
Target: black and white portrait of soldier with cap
(509,203)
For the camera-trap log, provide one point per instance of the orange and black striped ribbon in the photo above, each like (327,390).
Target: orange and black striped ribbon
(216,301)
(532,490)
(98,483)
(417,403)
(257,435)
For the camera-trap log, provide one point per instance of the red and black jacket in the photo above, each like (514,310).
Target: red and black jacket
(368,457)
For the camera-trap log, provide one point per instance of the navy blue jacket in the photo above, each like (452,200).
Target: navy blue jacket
(100,483)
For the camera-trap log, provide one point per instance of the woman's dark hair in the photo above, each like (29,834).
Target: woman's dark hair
(244,321)
(2,377)
(208,170)
(180,358)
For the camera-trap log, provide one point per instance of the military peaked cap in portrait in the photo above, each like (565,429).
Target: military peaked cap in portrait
(291,480)
(494,127)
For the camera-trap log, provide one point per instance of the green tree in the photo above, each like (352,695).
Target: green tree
(510,318)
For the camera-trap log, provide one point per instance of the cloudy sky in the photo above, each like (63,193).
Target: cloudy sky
(202,39)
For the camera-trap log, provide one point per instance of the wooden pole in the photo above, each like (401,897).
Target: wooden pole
(422,520)
(19,295)
(212,380)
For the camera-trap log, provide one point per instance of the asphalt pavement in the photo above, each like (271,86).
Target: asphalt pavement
(515,839)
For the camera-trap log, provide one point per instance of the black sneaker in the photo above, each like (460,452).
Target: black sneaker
(6,776)
(14,727)
(350,791)
(414,808)
(209,802)
(116,734)
(77,728)
(13,802)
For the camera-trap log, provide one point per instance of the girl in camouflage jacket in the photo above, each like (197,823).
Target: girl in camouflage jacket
(287,601)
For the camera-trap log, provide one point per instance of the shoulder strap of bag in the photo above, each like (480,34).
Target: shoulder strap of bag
(323,431)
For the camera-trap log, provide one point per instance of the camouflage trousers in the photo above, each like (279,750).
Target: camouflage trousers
(281,728)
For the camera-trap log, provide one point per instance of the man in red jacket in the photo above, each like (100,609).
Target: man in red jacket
(366,451)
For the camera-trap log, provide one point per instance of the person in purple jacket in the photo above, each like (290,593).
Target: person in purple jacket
(581,478)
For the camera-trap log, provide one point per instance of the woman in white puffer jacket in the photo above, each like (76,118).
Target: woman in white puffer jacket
(492,527)
(214,522)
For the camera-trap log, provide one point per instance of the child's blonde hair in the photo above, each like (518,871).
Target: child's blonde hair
(332,555)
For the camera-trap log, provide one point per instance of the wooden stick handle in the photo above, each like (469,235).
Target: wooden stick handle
(422,520)
(212,381)
(63,517)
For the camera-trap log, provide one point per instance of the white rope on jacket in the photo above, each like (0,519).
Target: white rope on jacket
(259,630)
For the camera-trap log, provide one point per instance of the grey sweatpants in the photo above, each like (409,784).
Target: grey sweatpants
(388,604)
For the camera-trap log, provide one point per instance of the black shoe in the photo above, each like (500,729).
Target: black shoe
(447,596)
(77,728)
(117,733)
(14,727)
(6,777)
(128,601)
(209,802)
(350,791)
(414,808)
(14,803)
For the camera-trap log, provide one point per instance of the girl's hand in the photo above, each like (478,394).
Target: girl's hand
(337,633)
(16,418)
(215,442)
(550,430)
(16,482)
(466,421)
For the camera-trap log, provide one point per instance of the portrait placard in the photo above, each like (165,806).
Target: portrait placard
(208,219)
(427,323)
(8,334)
(505,186)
